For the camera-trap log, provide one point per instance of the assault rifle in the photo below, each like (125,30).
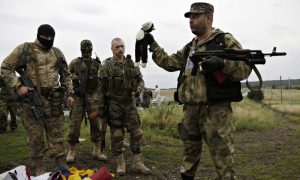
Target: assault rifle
(33,96)
(251,57)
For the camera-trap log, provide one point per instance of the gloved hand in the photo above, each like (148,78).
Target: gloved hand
(93,115)
(212,64)
(148,38)
(137,93)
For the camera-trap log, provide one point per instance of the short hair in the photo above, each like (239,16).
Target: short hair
(115,40)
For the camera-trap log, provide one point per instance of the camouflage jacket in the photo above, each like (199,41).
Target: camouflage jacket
(119,80)
(88,70)
(46,63)
(193,89)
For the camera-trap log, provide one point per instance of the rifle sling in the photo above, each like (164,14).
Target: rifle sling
(259,78)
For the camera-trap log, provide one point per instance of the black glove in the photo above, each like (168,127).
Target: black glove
(212,64)
(148,38)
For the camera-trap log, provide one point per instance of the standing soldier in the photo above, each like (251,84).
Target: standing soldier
(120,81)
(85,79)
(147,97)
(6,106)
(207,95)
(46,68)
(3,106)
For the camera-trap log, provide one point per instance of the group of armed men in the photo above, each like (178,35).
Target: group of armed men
(107,89)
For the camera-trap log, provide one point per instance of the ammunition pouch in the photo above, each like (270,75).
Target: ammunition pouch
(92,83)
(56,103)
(184,136)
(221,92)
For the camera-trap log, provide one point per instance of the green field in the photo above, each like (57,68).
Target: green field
(267,141)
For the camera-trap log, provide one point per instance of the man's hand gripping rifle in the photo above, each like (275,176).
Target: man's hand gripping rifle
(251,57)
(33,97)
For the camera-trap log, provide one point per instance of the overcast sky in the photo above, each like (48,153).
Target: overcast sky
(257,24)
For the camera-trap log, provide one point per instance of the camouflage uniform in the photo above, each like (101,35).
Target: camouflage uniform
(51,97)
(211,122)
(146,97)
(91,92)
(118,81)
(3,106)
(7,106)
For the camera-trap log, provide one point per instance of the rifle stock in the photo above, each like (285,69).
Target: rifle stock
(248,56)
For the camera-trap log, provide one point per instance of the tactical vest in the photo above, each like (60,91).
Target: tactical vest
(224,91)
(28,55)
(121,81)
(87,73)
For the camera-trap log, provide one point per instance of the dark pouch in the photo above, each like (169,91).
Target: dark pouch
(57,103)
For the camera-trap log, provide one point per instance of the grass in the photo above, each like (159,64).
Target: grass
(258,153)
(250,115)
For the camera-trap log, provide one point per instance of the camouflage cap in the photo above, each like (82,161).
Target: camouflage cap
(200,8)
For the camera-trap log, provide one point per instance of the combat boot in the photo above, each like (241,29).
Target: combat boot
(121,169)
(60,162)
(97,153)
(185,177)
(39,166)
(138,165)
(71,154)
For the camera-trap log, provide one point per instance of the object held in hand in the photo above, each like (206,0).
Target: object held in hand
(143,39)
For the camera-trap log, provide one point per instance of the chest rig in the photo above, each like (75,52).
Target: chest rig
(121,78)
(87,72)
(220,88)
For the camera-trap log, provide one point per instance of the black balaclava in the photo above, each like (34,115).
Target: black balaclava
(48,31)
(86,48)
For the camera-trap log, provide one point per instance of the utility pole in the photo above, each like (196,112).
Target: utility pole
(280,90)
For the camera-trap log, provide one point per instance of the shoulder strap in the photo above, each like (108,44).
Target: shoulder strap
(26,55)
(186,53)
(218,43)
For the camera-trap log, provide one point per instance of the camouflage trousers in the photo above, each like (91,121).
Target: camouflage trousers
(213,124)
(12,108)
(54,134)
(3,116)
(123,115)
(76,117)
(6,107)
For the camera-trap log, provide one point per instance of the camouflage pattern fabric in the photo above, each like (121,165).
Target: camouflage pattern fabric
(5,107)
(47,66)
(76,113)
(35,130)
(124,115)
(12,109)
(146,97)
(117,82)
(49,77)
(193,88)
(212,122)
(3,115)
